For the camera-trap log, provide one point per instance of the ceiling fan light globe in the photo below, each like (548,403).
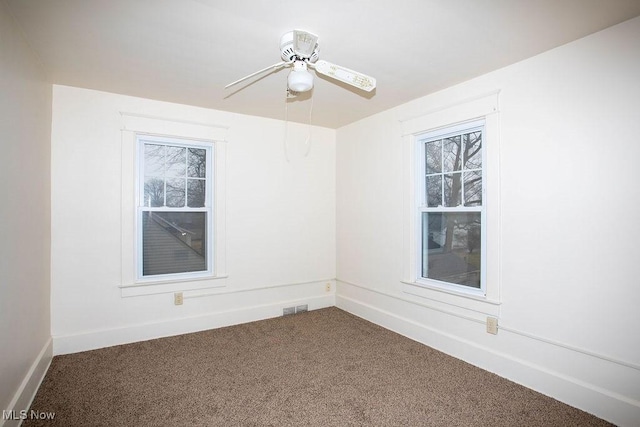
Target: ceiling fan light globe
(300,80)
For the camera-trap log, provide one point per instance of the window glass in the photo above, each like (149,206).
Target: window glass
(197,163)
(175,161)
(452,189)
(473,150)
(175,192)
(434,156)
(173,242)
(451,153)
(451,247)
(153,192)
(154,160)
(196,192)
(473,188)
(434,190)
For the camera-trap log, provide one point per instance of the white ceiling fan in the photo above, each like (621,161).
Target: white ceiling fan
(299,49)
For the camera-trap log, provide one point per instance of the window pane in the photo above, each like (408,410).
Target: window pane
(452,189)
(173,242)
(175,192)
(473,150)
(196,192)
(153,192)
(434,191)
(452,153)
(473,188)
(197,163)
(451,247)
(433,153)
(153,160)
(176,161)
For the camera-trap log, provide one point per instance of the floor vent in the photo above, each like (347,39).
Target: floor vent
(293,310)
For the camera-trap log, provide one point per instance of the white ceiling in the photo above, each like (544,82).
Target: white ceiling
(186,51)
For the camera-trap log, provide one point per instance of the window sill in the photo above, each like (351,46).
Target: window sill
(180,285)
(459,302)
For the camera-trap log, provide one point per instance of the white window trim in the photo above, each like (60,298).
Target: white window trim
(485,108)
(132,126)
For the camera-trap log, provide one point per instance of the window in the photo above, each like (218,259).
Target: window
(451,204)
(450,207)
(174,208)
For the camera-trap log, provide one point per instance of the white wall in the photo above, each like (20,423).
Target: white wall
(280,223)
(25,121)
(569,125)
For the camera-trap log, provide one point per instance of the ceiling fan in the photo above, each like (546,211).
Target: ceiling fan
(299,50)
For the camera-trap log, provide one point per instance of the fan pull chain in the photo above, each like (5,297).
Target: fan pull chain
(286,124)
(307,142)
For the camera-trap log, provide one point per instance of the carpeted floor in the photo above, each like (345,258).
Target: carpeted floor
(322,368)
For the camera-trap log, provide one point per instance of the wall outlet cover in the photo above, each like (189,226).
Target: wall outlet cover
(492,325)
(178,298)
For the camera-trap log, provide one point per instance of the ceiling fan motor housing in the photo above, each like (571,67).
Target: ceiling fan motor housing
(288,54)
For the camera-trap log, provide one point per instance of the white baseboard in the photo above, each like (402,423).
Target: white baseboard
(29,386)
(604,403)
(109,337)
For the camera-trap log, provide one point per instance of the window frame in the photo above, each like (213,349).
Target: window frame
(208,207)
(420,140)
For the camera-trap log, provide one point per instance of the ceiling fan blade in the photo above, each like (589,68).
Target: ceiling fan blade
(353,78)
(270,67)
(304,43)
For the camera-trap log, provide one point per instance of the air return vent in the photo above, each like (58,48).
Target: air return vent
(297,309)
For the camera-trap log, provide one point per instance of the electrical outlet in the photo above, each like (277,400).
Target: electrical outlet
(492,325)
(177,298)
(327,287)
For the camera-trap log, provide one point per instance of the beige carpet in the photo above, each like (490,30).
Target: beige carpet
(322,368)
